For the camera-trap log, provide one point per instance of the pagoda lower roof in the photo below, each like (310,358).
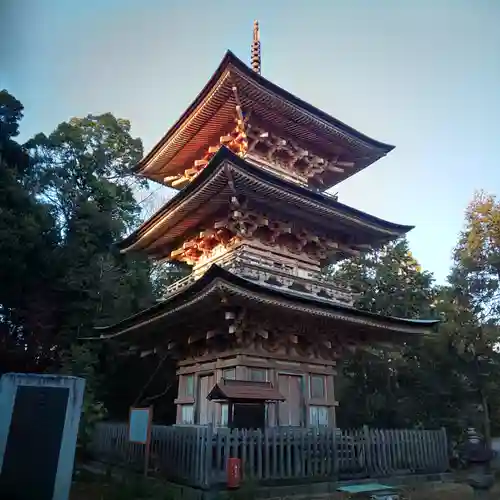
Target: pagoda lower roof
(213,109)
(227,176)
(200,296)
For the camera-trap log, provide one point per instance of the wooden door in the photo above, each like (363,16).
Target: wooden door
(205,407)
(291,411)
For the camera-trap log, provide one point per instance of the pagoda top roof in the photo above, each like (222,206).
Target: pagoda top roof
(227,175)
(215,103)
(198,293)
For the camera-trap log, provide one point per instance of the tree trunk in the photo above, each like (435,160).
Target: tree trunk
(486,418)
(484,404)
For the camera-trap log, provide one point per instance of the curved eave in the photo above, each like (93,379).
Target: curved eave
(217,279)
(199,192)
(231,62)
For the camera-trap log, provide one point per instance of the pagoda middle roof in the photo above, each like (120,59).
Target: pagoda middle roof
(227,175)
(201,294)
(214,107)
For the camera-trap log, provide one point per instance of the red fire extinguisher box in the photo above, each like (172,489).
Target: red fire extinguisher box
(233,473)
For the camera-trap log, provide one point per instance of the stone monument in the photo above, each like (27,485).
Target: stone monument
(39,418)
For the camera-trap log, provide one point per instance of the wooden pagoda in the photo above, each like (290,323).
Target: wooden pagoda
(256,328)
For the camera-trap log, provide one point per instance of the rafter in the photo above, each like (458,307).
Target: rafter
(236,140)
(245,225)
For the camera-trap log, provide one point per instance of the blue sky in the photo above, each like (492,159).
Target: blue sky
(423,75)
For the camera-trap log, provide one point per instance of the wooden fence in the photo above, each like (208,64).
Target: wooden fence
(197,455)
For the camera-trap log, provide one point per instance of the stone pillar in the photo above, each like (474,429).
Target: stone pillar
(478,457)
(39,421)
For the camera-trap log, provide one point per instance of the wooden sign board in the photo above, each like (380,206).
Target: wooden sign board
(139,430)
(139,425)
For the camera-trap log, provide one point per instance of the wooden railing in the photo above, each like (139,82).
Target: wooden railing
(198,455)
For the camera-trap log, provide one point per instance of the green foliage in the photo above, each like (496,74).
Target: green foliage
(165,273)
(65,199)
(475,276)
(11,113)
(82,171)
(450,378)
(390,281)
(89,160)
(376,381)
(81,361)
(29,242)
(472,307)
(417,383)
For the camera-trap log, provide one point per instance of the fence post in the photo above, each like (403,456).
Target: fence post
(336,453)
(208,465)
(367,444)
(445,452)
(198,462)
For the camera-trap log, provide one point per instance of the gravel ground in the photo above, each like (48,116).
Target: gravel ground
(93,488)
(449,492)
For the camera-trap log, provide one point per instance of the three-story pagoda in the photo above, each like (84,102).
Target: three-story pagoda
(256,322)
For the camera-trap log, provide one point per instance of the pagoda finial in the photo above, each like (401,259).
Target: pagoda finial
(256,48)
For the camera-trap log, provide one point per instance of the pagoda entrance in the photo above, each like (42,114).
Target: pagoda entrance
(291,411)
(246,401)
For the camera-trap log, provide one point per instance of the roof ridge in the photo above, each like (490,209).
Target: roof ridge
(217,273)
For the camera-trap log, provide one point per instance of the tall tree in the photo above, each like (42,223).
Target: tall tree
(83,171)
(29,240)
(65,199)
(389,281)
(376,382)
(450,378)
(89,159)
(474,291)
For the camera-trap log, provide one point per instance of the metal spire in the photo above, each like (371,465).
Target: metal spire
(256,48)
